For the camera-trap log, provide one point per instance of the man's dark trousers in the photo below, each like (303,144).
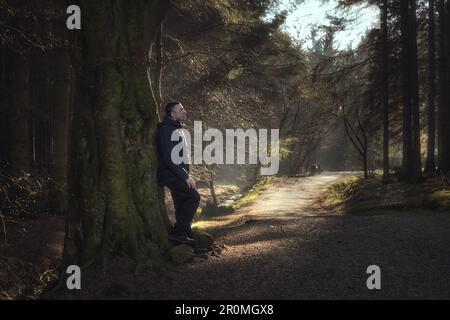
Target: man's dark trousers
(174,176)
(186,201)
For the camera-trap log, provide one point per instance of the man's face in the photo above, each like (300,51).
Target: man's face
(179,113)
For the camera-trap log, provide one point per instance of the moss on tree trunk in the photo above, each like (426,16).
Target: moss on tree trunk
(115,202)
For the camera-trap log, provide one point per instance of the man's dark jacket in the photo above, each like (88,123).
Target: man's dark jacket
(167,170)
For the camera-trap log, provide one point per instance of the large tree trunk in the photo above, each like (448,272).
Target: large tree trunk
(444,101)
(411,162)
(385,89)
(416,174)
(406,119)
(430,162)
(114,197)
(447,123)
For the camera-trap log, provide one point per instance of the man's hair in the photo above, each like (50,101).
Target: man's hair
(170,107)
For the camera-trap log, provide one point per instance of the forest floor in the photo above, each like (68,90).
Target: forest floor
(30,253)
(31,247)
(284,244)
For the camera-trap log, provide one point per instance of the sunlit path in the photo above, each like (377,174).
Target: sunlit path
(281,247)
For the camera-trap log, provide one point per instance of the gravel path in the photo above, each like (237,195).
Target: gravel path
(285,248)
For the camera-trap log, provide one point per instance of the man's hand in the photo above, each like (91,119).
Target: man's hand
(190,183)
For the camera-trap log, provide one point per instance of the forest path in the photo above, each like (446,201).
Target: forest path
(292,197)
(282,246)
(286,248)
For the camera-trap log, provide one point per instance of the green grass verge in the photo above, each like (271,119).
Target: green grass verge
(356,194)
(251,195)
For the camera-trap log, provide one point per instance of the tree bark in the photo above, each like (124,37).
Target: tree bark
(61,100)
(411,161)
(385,89)
(4,110)
(213,193)
(365,166)
(416,174)
(20,112)
(114,197)
(430,162)
(444,101)
(406,111)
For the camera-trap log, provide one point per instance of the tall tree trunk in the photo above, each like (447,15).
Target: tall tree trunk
(443,110)
(430,162)
(385,88)
(213,193)
(406,119)
(4,110)
(416,173)
(20,144)
(411,162)
(365,165)
(61,99)
(114,197)
(41,110)
(447,124)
